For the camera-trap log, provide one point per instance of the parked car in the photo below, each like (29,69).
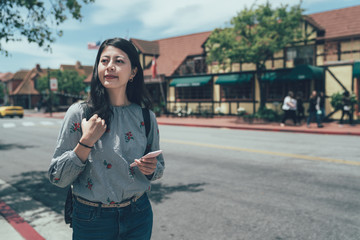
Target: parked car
(11,111)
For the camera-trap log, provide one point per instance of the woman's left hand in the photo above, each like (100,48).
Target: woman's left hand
(146,165)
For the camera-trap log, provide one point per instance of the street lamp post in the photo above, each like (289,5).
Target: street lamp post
(50,92)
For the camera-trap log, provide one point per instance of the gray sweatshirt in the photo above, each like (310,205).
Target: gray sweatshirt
(106,176)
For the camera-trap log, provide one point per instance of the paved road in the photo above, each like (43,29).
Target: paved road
(218,183)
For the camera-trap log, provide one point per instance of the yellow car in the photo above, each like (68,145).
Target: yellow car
(11,111)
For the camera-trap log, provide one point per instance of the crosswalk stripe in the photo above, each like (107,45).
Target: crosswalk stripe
(28,124)
(9,125)
(46,123)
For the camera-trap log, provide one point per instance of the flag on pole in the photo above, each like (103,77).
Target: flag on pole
(94,45)
(153,67)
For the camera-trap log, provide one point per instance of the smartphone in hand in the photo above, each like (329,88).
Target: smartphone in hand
(148,155)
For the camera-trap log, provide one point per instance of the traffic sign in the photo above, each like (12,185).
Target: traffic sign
(53,84)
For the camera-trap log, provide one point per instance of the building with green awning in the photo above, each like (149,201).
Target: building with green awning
(190,81)
(303,72)
(233,79)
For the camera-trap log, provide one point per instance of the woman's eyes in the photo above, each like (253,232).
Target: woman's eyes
(107,60)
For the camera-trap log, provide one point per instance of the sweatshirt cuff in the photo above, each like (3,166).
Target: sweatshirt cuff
(76,160)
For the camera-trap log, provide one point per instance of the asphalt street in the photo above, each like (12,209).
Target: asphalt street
(218,183)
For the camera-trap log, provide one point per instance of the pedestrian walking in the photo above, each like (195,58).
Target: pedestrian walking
(314,109)
(289,108)
(101,155)
(321,102)
(300,107)
(346,107)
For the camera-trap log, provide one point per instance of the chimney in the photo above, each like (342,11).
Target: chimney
(38,68)
(78,65)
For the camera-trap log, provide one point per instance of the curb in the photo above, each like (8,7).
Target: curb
(252,128)
(30,218)
(327,132)
(18,223)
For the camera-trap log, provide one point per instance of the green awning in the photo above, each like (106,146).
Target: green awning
(190,81)
(233,79)
(356,70)
(305,72)
(274,76)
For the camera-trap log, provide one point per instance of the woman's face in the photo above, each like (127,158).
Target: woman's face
(114,68)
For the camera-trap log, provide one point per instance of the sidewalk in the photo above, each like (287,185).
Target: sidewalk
(22,217)
(235,123)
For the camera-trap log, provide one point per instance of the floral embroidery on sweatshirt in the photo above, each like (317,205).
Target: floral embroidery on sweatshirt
(89,184)
(109,201)
(142,124)
(131,172)
(75,127)
(107,165)
(56,180)
(128,137)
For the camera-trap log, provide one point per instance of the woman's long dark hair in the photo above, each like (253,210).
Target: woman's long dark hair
(136,92)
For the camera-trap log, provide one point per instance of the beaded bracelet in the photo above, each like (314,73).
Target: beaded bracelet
(84,145)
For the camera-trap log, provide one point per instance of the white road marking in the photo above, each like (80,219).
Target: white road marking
(9,125)
(46,123)
(28,124)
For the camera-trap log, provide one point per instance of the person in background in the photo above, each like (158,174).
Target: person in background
(314,108)
(300,107)
(99,143)
(346,107)
(321,99)
(289,107)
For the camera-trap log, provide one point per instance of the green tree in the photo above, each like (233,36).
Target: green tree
(31,19)
(2,92)
(69,82)
(254,36)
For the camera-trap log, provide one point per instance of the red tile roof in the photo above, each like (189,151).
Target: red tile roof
(146,47)
(4,77)
(80,69)
(340,23)
(173,51)
(26,87)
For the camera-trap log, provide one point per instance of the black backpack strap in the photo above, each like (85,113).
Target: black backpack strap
(146,116)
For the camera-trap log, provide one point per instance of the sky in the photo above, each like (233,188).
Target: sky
(142,19)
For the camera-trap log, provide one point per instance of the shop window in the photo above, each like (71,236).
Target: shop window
(194,93)
(300,55)
(191,66)
(276,91)
(243,91)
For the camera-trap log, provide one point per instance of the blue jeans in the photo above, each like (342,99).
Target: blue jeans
(313,114)
(133,222)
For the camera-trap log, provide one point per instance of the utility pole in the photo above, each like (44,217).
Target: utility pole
(50,93)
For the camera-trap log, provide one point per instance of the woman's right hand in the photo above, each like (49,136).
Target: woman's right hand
(92,130)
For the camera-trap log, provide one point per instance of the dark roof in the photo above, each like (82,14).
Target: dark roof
(146,47)
(340,23)
(173,51)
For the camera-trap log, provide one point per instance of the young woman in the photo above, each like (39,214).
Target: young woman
(98,142)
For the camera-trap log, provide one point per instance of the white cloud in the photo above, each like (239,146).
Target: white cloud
(170,16)
(112,11)
(61,54)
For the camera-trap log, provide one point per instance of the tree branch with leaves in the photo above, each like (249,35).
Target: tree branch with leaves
(35,20)
(254,36)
